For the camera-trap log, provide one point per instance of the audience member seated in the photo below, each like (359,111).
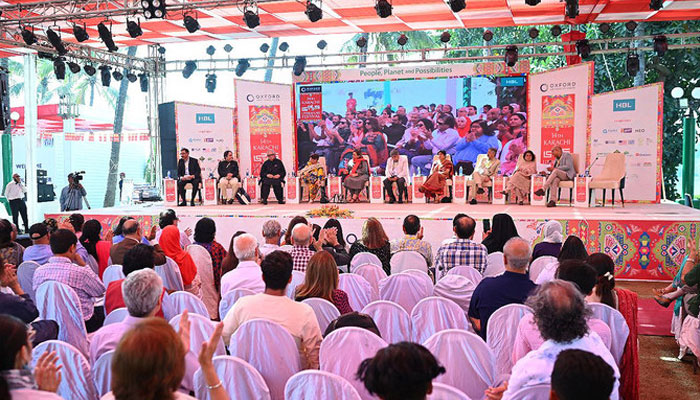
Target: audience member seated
(413,240)
(562,170)
(551,244)
(357,177)
(483,174)
(502,230)
(133,235)
(17,380)
(374,240)
(301,240)
(62,268)
(10,250)
(271,232)
(247,274)
(572,249)
(435,185)
(167,218)
(355,319)
(334,242)
(580,375)
(170,243)
(396,172)
(76,220)
(204,235)
(118,234)
(513,286)
(518,185)
(462,250)
(297,318)
(290,227)
(321,280)
(400,371)
(96,247)
(39,251)
(230,262)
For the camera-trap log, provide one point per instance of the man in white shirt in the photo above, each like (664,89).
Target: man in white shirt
(14,192)
(396,172)
(273,305)
(271,231)
(247,275)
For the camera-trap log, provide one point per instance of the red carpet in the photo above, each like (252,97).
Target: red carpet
(653,319)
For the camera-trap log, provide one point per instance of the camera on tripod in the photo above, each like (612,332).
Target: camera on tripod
(78,176)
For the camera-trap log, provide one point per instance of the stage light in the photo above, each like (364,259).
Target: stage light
(74,67)
(59,68)
(532,2)
(264,48)
(445,37)
(284,46)
(89,69)
(511,56)
(402,40)
(153,8)
(161,50)
(604,27)
(631,26)
(660,45)
(56,42)
(134,28)
(656,4)
(361,42)
(583,48)
(131,77)
(80,33)
(555,31)
(457,5)
(143,80)
(571,8)
(191,24)
(118,76)
(228,48)
(210,82)
(533,33)
(105,75)
(190,67)
(250,14)
(313,11)
(677,92)
(321,44)
(383,8)
(211,50)
(28,36)
(106,36)
(487,36)
(299,65)
(242,66)
(632,64)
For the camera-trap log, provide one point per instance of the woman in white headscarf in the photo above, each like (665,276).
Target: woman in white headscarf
(551,244)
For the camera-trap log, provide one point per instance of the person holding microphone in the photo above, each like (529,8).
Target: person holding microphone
(14,192)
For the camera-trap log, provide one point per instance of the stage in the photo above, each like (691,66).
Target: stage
(647,241)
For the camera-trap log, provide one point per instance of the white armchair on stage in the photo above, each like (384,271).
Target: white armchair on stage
(611,177)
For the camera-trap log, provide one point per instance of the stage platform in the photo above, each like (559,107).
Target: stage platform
(647,241)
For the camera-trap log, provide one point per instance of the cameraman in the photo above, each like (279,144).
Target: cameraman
(72,195)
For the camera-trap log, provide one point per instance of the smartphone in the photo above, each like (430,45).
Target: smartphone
(487,224)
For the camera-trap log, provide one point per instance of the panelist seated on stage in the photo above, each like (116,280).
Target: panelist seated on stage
(434,186)
(357,178)
(396,172)
(562,170)
(229,177)
(483,175)
(188,171)
(272,174)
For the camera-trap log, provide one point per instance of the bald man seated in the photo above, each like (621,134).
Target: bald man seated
(301,252)
(562,170)
(133,235)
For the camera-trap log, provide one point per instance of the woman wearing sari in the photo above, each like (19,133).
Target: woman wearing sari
(518,186)
(442,170)
(312,176)
(169,242)
(358,177)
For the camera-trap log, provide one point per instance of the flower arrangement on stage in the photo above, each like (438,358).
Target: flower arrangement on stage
(331,211)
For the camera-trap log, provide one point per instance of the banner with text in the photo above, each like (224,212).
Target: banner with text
(265,134)
(631,121)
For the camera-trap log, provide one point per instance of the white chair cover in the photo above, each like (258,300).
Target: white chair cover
(456,288)
(312,384)
(547,272)
(297,279)
(170,274)
(178,302)
(466,271)
(25,276)
(115,316)
(404,289)
(536,392)
(689,338)
(364,258)
(446,392)
(102,371)
(495,265)
(538,265)
(423,276)
(270,349)
(501,334)
(393,321)
(618,328)
(435,314)
(372,273)
(201,330)
(344,349)
(360,291)
(60,303)
(240,379)
(230,298)
(76,376)
(468,360)
(404,260)
(325,311)
(112,273)
(210,296)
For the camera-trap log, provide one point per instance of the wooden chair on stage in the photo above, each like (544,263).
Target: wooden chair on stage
(611,177)
(569,184)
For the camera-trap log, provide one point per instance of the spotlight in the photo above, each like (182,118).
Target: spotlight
(161,49)
(487,36)
(250,15)
(383,8)
(105,75)
(532,2)
(632,64)
(660,45)
(191,24)
(134,28)
(131,77)
(457,5)
(59,68)
(153,8)
(604,27)
(631,26)
(656,4)
(402,40)
(80,33)
(284,46)
(313,11)
(445,37)
(28,36)
(190,67)
(228,48)
(56,42)
(533,33)
(555,31)
(211,50)
(264,48)
(242,66)
(210,82)
(118,76)
(74,67)
(361,42)
(571,8)
(106,36)
(321,44)
(89,69)
(299,65)
(511,57)
(143,80)
(583,48)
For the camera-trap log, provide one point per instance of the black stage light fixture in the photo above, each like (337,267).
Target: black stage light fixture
(118,76)
(487,36)
(190,67)
(242,66)
(284,46)
(161,49)
(105,75)
(56,42)
(89,69)
(632,64)
(532,2)
(74,67)
(361,42)
(555,30)
(660,45)
(457,5)
(402,40)
(106,36)
(211,50)
(299,65)
(511,56)
(44,55)
(383,8)
(153,8)
(533,33)
(210,82)
(583,48)
(264,48)
(604,27)
(131,77)
(445,37)
(571,8)
(631,25)
(191,23)
(80,33)
(134,28)
(59,68)
(28,36)
(656,5)
(313,11)
(143,80)
(228,48)
(321,44)
(250,15)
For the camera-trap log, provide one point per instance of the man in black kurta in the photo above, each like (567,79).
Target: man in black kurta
(272,173)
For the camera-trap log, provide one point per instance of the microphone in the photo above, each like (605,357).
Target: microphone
(588,170)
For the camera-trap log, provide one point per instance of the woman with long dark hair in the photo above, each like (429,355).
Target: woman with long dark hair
(97,248)
(204,235)
(374,140)
(288,233)
(358,176)
(502,230)
(573,249)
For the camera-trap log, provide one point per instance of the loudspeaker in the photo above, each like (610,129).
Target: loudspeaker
(168,140)
(4,100)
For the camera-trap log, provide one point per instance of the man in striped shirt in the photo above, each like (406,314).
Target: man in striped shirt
(463,250)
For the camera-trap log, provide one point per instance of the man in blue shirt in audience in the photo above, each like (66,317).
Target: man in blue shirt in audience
(40,250)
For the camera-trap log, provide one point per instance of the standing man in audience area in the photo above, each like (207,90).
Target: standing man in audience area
(15,192)
(562,170)
(462,250)
(272,174)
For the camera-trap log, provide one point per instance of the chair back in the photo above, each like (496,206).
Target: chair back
(178,302)
(25,276)
(240,380)
(435,314)
(618,328)
(325,311)
(364,257)
(479,159)
(404,289)
(538,265)
(230,298)
(577,160)
(312,384)
(112,273)
(393,321)
(344,349)
(469,362)
(456,288)
(422,276)
(446,392)
(500,335)
(117,315)
(276,364)
(372,273)
(297,279)
(360,291)
(210,296)
(76,376)
(170,274)
(60,303)
(201,330)
(536,392)
(495,265)
(466,271)
(408,259)
(614,168)
(102,371)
